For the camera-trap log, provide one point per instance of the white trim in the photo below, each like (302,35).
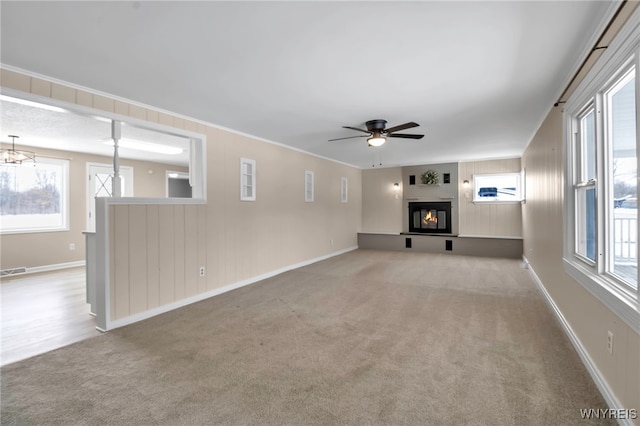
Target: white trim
(55,266)
(497,237)
(65,165)
(102,307)
(622,302)
(309,196)
(480,202)
(93,112)
(618,302)
(46,268)
(180,175)
(344,190)
(91,198)
(163,111)
(588,46)
(476,199)
(197,169)
(594,372)
(146,201)
(616,55)
(606,18)
(217,126)
(250,181)
(202,296)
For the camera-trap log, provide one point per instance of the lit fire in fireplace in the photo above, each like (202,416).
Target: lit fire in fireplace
(429,218)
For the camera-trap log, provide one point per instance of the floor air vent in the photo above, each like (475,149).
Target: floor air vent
(14,271)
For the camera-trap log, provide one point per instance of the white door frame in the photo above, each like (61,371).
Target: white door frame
(126,172)
(180,175)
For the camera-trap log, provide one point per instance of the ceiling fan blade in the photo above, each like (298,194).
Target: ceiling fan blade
(401,127)
(355,128)
(349,137)
(405,136)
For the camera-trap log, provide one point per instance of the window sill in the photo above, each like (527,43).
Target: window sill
(497,202)
(33,231)
(622,304)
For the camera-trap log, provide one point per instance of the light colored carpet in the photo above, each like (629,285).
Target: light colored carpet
(369,337)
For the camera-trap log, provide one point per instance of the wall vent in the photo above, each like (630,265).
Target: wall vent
(14,271)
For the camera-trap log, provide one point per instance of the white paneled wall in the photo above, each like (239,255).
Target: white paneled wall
(495,220)
(156,249)
(155,254)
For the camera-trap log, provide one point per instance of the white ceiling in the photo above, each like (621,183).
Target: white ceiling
(479,77)
(54,128)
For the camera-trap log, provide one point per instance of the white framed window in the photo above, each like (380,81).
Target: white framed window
(344,190)
(308,186)
(585,185)
(498,188)
(247,179)
(600,205)
(34,197)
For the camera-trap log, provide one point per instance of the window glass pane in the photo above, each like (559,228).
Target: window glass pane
(247,179)
(343,188)
(621,117)
(104,185)
(588,138)
(32,196)
(497,187)
(308,186)
(586,222)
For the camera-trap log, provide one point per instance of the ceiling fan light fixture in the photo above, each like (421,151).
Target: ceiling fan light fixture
(376,140)
(16,156)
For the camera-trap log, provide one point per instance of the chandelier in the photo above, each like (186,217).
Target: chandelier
(14,156)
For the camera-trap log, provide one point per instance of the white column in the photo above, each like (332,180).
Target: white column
(116,186)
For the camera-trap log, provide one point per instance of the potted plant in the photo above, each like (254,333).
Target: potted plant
(430,177)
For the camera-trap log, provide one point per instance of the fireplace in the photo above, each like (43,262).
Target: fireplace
(430,217)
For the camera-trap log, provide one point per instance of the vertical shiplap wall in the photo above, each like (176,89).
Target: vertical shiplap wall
(155,253)
(496,220)
(156,250)
(589,319)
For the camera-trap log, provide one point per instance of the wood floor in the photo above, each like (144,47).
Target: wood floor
(43,312)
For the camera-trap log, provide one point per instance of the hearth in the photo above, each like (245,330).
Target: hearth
(430,217)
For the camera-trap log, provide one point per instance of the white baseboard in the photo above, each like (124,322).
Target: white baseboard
(46,268)
(593,370)
(202,296)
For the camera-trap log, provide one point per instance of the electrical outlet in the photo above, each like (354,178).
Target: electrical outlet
(202,271)
(72,246)
(610,342)
(331,242)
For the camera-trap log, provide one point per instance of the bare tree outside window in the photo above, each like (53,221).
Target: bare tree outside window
(33,196)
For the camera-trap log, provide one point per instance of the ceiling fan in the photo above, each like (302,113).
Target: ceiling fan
(377,135)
